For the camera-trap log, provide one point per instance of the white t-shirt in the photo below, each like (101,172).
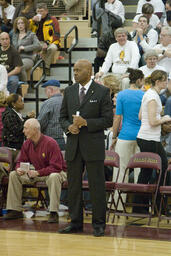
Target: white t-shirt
(3,80)
(154,20)
(147,132)
(9,11)
(147,71)
(165,62)
(116,8)
(121,57)
(157,4)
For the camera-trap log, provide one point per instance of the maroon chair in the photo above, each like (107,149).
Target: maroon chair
(5,157)
(165,191)
(140,160)
(111,159)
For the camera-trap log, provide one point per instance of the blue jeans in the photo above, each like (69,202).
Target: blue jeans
(12,84)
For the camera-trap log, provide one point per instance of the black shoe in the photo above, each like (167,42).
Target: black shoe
(70,229)
(53,217)
(12,215)
(98,232)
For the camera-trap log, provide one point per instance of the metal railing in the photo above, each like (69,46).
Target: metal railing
(36,86)
(69,51)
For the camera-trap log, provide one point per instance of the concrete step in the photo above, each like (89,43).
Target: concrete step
(76,55)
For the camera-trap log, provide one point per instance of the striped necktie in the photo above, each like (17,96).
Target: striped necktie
(82,94)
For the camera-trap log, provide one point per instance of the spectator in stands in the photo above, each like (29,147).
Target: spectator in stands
(13,121)
(145,37)
(2,109)
(168,18)
(120,56)
(11,59)
(158,5)
(113,15)
(168,5)
(151,59)
(6,15)
(164,48)
(3,80)
(27,9)
(126,145)
(43,153)
(148,11)
(103,46)
(168,10)
(148,138)
(47,30)
(26,43)
(50,112)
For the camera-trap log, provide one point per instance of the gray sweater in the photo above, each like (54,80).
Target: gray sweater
(29,41)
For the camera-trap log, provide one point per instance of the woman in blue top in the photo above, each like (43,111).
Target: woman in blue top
(127,108)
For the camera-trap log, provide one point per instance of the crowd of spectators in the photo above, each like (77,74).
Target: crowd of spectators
(145,52)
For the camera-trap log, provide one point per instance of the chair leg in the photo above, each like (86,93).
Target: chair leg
(159,216)
(111,194)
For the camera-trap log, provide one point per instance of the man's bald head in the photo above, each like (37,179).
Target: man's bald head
(32,129)
(4,40)
(82,71)
(33,123)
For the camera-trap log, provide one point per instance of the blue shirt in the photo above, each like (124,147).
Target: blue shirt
(128,105)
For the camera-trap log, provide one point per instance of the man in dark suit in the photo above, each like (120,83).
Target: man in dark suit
(86,111)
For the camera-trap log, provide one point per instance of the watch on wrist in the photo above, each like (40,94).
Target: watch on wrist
(163,52)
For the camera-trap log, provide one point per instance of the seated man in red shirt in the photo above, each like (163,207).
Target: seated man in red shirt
(43,153)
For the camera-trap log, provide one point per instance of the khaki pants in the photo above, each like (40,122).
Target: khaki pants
(125,149)
(48,55)
(54,182)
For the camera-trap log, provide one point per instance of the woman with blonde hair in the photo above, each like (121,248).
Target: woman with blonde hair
(26,42)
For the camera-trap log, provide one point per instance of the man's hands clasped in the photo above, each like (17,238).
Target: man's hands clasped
(78,122)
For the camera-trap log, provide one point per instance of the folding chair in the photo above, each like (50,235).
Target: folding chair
(5,158)
(165,192)
(140,160)
(41,186)
(111,159)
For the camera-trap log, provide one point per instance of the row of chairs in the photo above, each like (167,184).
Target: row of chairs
(139,160)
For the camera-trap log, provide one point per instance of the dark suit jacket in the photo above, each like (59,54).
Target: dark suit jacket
(96,108)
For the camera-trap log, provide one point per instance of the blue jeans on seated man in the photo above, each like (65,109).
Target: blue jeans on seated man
(12,84)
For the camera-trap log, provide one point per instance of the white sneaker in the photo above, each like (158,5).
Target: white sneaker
(94,34)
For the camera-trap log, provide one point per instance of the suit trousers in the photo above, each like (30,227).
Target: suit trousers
(96,180)
(54,182)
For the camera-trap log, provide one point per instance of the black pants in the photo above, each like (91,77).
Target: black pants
(96,180)
(145,175)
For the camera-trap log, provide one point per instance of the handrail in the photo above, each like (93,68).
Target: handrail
(36,86)
(69,51)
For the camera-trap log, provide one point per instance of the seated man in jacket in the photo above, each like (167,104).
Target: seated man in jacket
(43,153)
(47,30)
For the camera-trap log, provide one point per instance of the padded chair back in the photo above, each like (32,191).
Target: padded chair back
(111,159)
(145,160)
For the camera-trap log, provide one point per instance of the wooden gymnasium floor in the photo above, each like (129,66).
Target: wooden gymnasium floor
(33,237)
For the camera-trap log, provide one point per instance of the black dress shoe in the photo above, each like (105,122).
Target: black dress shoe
(70,229)
(98,232)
